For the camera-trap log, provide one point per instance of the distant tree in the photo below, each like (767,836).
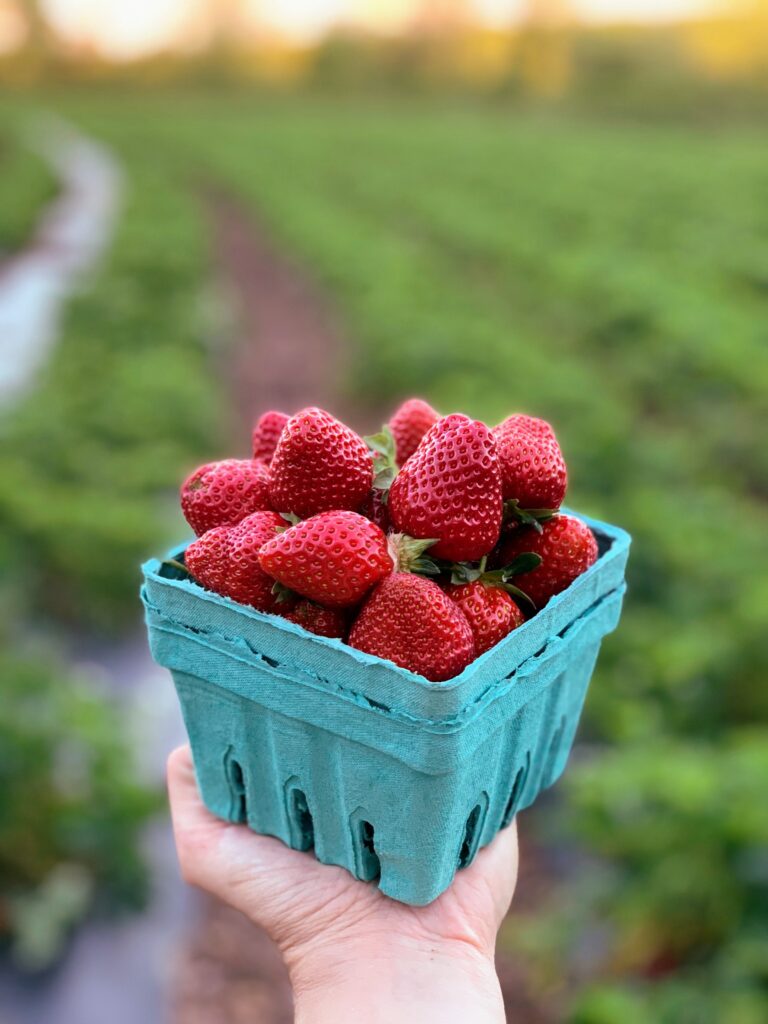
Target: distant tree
(441,16)
(38,42)
(230,30)
(543,63)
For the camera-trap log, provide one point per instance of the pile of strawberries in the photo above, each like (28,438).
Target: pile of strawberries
(405,544)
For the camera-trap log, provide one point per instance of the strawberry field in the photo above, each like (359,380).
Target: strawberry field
(611,277)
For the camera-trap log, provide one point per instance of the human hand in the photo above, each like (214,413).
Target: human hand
(353,953)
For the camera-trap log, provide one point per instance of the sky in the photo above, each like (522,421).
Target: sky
(126,28)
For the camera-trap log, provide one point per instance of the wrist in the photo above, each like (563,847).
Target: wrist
(396,982)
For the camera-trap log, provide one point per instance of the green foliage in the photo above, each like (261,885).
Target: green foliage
(27,185)
(683,908)
(71,808)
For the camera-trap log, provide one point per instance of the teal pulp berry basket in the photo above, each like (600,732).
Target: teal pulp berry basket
(395,778)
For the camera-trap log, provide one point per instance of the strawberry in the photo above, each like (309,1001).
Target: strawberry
(450,490)
(226,560)
(319,465)
(410,621)
(532,466)
(223,493)
(567,548)
(316,619)
(333,558)
(489,610)
(207,558)
(409,424)
(266,434)
(246,581)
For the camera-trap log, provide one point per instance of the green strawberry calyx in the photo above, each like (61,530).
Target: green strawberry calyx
(382,445)
(469,572)
(408,555)
(527,516)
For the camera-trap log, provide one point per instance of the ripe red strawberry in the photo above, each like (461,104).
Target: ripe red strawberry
(266,434)
(316,619)
(246,580)
(409,424)
(333,558)
(567,548)
(226,560)
(450,490)
(489,610)
(533,470)
(207,558)
(410,621)
(223,493)
(319,465)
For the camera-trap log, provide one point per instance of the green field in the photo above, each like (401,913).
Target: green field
(611,277)
(27,185)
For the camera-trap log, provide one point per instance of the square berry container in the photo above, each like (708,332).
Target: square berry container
(395,778)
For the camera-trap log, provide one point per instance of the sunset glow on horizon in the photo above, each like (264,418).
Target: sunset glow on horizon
(122,30)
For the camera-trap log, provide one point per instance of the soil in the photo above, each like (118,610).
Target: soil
(230,973)
(287,350)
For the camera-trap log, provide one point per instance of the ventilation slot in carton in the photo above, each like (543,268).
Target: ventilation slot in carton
(238,809)
(517,789)
(300,818)
(369,866)
(471,837)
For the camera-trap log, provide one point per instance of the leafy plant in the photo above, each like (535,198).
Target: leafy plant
(71,808)
(28,184)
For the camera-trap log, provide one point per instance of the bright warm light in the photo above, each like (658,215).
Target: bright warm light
(11,27)
(304,19)
(126,28)
(119,28)
(642,10)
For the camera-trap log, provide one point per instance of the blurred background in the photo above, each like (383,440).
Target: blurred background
(212,207)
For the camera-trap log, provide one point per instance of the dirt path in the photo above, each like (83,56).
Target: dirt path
(288,348)
(70,237)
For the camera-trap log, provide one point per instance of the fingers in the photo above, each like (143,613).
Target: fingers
(182,785)
(500,862)
(500,858)
(194,828)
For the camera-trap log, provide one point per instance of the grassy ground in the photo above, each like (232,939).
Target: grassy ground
(27,186)
(613,278)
